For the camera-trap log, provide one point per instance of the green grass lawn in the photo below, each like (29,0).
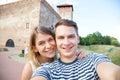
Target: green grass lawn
(111,51)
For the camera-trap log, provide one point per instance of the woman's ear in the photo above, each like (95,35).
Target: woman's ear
(35,49)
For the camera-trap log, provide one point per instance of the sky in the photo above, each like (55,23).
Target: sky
(92,15)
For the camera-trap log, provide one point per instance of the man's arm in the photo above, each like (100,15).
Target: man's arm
(41,73)
(39,78)
(108,71)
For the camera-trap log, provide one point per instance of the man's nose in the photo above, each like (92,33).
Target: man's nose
(66,41)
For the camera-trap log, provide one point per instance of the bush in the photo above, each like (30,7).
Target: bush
(21,55)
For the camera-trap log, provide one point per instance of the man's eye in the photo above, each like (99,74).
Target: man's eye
(60,37)
(71,36)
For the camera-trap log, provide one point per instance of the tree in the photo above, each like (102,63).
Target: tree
(97,38)
(114,41)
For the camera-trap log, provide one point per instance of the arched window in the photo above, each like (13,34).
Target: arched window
(10,43)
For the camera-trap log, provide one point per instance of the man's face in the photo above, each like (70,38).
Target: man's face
(66,40)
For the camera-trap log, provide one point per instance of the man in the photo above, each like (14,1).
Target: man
(68,67)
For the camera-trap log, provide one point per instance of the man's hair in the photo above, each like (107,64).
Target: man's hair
(68,23)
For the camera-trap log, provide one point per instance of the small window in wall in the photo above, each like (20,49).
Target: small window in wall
(27,25)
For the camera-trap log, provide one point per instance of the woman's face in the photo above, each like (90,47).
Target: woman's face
(45,45)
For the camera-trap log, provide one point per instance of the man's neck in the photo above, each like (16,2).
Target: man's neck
(68,59)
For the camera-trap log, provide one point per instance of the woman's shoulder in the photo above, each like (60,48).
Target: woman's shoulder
(28,65)
(27,68)
(27,71)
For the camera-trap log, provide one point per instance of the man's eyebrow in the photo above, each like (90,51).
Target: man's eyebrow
(60,36)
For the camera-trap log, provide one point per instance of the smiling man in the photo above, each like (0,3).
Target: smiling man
(92,67)
(67,41)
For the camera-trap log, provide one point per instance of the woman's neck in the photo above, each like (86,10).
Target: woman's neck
(44,60)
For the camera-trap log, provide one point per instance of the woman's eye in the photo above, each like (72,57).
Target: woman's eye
(51,39)
(41,43)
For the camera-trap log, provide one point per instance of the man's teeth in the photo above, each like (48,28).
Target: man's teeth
(67,48)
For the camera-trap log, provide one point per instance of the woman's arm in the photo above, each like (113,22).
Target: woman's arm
(81,53)
(27,72)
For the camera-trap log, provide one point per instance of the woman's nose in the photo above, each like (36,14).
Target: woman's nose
(48,45)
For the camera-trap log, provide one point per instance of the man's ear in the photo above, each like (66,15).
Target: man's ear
(78,39)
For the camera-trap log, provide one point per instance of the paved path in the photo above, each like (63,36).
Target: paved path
(11,65)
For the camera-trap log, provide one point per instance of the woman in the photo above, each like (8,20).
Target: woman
(42,49)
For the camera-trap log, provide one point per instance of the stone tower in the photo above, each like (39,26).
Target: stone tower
(65,11)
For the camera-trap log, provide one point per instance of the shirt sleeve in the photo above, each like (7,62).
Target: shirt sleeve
(41,71)
(99,58)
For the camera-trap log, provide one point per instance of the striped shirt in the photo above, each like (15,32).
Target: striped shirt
(79,69)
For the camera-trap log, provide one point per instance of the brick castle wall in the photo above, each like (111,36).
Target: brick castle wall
(18,19)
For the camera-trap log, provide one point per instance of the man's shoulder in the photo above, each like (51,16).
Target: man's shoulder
(54,62)
(100,55)
(93,56)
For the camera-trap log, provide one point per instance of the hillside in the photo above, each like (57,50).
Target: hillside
(111,51)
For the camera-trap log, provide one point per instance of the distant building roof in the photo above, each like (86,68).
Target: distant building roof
(66,5)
